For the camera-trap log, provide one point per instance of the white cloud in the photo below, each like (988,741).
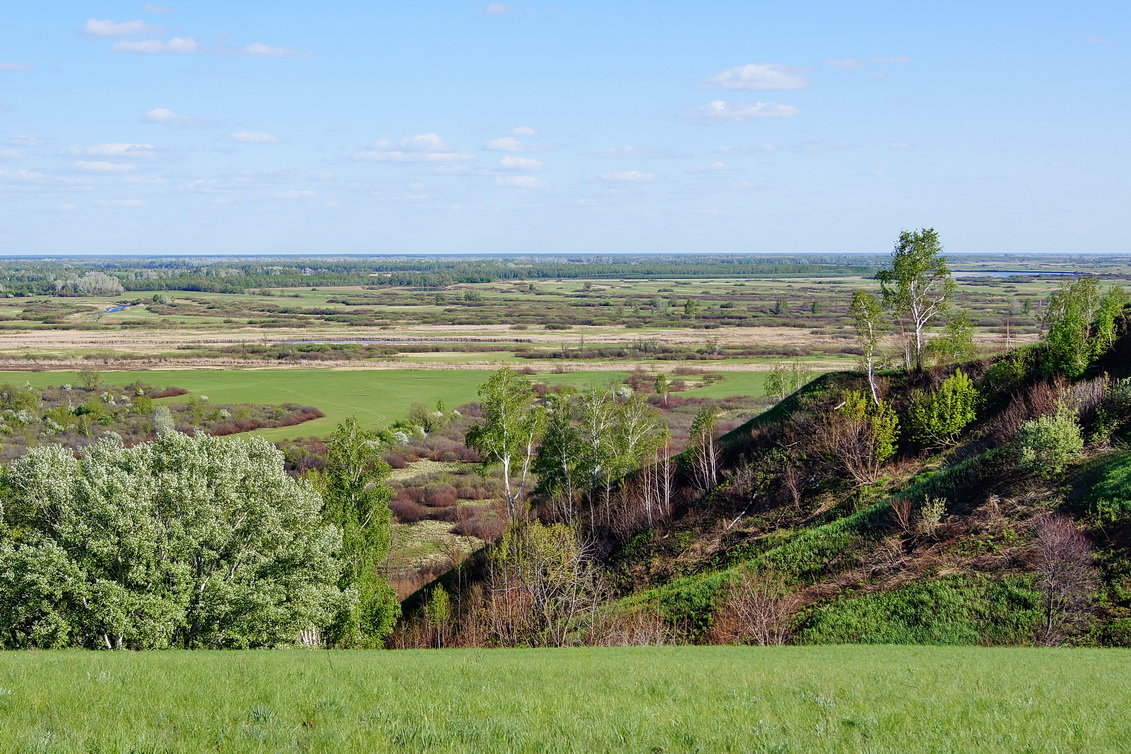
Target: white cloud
(167,117)
(761,76)
(895,59)
(495,9)
(418,148)
(737,112)
(297,194)
(714,168)
(96,28)
(255,137)
(159,9)
(103,166)
(523,131)
(119,151)
(11,155)
(505,144)
(511,162)
(16,67)
(23,140)
(260,50)
(519,181)
(899,145)
(628,176)
(175,46)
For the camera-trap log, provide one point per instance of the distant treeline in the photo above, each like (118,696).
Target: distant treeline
(27,277)
(82,276)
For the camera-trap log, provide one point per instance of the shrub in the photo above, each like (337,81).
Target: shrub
(1047,444)
(936,418)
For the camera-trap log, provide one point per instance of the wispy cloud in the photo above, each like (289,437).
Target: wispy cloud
(16,67)
(260,50)
(167,117)
(519,181)
(418,148)
(101,28)
(11,155)
(523,131)
(759,76)
(714,168)
(634,152)
(23,140)
(158,9)
(736,112)
(513,162)
(495,9)
(104,166)
(114,151)
(505,144)
(255,137)
(628,176)
(174,46)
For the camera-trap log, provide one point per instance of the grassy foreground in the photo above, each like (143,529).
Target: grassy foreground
(640,699)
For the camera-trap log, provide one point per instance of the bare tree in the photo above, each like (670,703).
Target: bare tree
(757,610)
(1066,575)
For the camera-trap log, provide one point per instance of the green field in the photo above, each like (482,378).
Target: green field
(787,699)
(376,397)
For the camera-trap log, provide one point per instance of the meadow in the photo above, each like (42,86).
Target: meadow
(782,699)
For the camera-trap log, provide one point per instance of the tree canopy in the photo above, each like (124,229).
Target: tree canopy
(189,541)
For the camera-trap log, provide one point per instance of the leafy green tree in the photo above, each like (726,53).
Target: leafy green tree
(1047,444)
(690,308)
(356,499)
(937,418)
(510,431)
(868,319)
(559,456)
(1110,308)
(956,343)
(663,387)
(917,287)
(184,542)
(1068,319)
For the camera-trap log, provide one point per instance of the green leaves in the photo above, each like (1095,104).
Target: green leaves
(188,541)
(937,418)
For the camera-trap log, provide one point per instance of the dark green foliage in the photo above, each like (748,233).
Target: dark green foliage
(952,610)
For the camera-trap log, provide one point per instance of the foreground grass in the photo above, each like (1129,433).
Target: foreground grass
(639,699)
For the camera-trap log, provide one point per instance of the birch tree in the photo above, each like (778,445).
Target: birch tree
(510,431)
(917,288)
(868,319)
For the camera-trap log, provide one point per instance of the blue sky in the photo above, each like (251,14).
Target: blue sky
(577,126)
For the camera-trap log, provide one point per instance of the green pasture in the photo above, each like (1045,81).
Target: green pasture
(375,396)
(659,699)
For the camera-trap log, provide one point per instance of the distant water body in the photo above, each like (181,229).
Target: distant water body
(1009,273)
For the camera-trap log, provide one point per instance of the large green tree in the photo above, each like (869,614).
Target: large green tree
(184,542)
(356,495)
(917,287)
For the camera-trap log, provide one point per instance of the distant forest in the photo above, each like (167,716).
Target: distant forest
(72,276)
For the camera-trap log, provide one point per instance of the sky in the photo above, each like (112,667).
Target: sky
(577,126)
